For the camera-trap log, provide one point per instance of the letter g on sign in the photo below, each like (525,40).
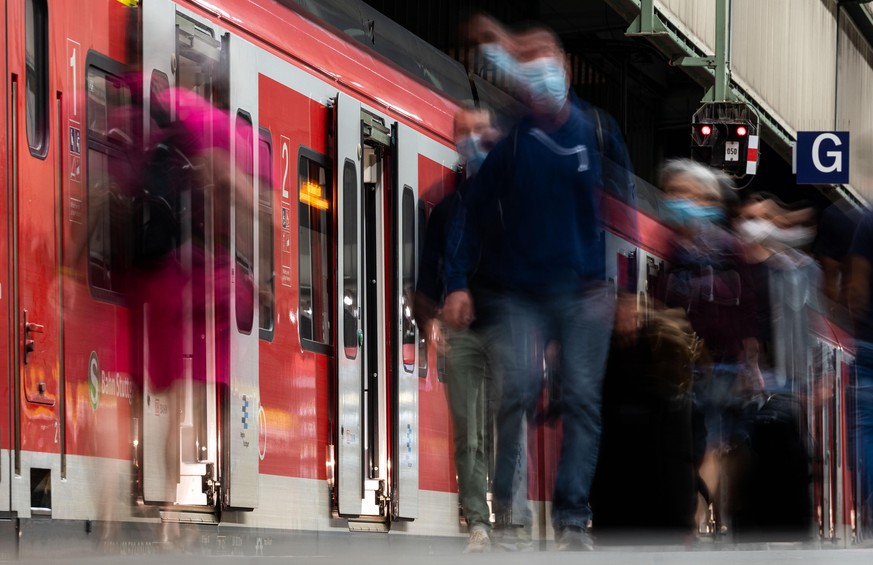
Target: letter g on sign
(836,163)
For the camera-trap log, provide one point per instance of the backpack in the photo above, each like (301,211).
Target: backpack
(157,206)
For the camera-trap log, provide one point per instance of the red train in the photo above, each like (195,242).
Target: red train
(333,417)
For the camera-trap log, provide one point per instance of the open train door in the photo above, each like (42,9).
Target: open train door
(181,50)
(240,398)
(404,366)
(350,447)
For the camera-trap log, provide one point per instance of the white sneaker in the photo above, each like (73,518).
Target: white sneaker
(479,541)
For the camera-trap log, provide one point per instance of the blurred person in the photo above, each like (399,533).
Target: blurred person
(786,281)
(189,154)
(836,230)
(470,363)
(860,292)
(709,280)
(545,180)
(769,461)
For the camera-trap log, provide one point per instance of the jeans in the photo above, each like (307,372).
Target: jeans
(468,371)
(582,324)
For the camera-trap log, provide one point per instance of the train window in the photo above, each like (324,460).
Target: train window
(244,293)
(316,278)
(36,63)
(266,275)
(350,259)
(422,342)
(110,138)
(407,283)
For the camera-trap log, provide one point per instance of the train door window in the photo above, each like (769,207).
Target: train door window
(198,55)
(159,109)
(407,284)
(36,63)
(422,341)
(244,297)
(109,139)
(316,278)
(350,259)
(266,285)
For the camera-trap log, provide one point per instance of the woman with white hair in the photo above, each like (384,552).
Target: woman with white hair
(710,280)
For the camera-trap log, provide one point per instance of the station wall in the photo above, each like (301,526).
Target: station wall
(786,54)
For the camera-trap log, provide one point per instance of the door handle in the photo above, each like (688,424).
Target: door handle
(29,343)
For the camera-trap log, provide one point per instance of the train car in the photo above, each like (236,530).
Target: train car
(310,404)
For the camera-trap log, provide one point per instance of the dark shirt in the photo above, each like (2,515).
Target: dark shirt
(430,267)
(546,189)
(763,313)
(483,279)
(836,228)
(618,176)
(712,282)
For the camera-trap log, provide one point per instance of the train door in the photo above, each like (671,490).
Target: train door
(34,291)
(350,438)
(180,50)
(240,399)
(404,368)
(376,138)
(377,390)
(5,434)
(377,369)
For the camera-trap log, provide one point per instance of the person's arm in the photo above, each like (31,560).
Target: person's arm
(429,287)
(463,237)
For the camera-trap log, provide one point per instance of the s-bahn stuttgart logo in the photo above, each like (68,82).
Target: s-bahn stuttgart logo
(108,383)
(94,380)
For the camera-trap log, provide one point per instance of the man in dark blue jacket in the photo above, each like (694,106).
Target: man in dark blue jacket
(545,179)
(469,363)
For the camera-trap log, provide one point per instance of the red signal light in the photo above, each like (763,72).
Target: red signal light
(705,130)
(742,131)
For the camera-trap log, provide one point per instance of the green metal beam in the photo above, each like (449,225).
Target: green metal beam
(722,87)
(692,57)
(704,68)
(647,23)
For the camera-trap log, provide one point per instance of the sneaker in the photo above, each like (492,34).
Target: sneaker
(574,538)
(523,539)
(513,538)
(479,541)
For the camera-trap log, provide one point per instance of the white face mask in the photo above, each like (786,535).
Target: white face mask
(471,152)
(545,82)
(771,236)
(499,59)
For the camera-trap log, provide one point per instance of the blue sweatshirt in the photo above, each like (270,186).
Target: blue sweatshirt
(546,187)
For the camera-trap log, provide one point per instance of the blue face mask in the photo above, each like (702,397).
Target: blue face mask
(681,211)
(545,82)
(470,149)
(499,59)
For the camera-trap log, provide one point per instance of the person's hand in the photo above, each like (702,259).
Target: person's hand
(458,310)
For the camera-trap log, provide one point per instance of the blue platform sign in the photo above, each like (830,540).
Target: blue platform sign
(822,157)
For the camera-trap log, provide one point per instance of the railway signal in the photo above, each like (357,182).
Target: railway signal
(724,135)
